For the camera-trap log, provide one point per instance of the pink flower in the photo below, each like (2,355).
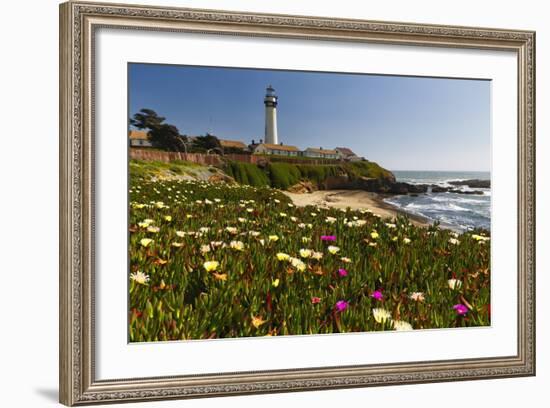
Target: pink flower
(460,309)
(342,272)
(341,305)
(328,237)
(315,300)
(377,295)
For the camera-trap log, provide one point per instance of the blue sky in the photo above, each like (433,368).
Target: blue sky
(403,123)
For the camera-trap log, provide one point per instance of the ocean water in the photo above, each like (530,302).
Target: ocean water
(460,212)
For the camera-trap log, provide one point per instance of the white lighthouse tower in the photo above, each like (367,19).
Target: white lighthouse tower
(270,102)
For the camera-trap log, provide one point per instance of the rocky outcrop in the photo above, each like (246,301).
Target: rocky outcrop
(385,185)
(474,183)
(302,187)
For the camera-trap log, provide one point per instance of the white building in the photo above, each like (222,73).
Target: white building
(277,149)
(270,102)
(320,153)
(139,138)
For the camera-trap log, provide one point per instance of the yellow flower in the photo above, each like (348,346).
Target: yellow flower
(168,218)
(211,266)
(140,277)
(177,244)
(394,239)
(162,284)
(160,204)
(406,240)
(153,229)
(145,242)
(480,238)
(273,238)
(257,321)
(305,253)
(381,315)
(374,235)
(345,259)
(275,283)
(333,249)
(281,256)
(236,245)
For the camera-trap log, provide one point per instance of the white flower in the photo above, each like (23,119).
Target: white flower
(381,315)
(205,249)
(345,259)
(400,325)
(333,249)
(390,225)
(417,296)
(317,255)
(406,240)
(454,283)
(231,230)
(298,264)
(236,245)
(454,241)
(306,253)
(330,220)
(139,277)
(204,229)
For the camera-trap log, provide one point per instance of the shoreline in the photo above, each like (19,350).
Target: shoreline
(356,200)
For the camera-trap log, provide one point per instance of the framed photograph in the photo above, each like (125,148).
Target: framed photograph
(256,203)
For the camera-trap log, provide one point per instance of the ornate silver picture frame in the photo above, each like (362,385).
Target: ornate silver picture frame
(79,23)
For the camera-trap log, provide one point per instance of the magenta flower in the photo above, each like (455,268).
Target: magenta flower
(377,295)
(328,238)
(341,305)
(342,272)
(460,309)
(315,300)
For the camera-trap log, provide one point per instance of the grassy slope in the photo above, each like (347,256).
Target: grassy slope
(141,169)
(283,175)
(279,175)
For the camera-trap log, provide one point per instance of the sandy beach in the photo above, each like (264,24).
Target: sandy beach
(354,199)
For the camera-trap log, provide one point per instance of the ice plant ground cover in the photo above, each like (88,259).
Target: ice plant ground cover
(216,260)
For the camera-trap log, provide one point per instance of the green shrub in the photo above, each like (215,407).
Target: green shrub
(283,175)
